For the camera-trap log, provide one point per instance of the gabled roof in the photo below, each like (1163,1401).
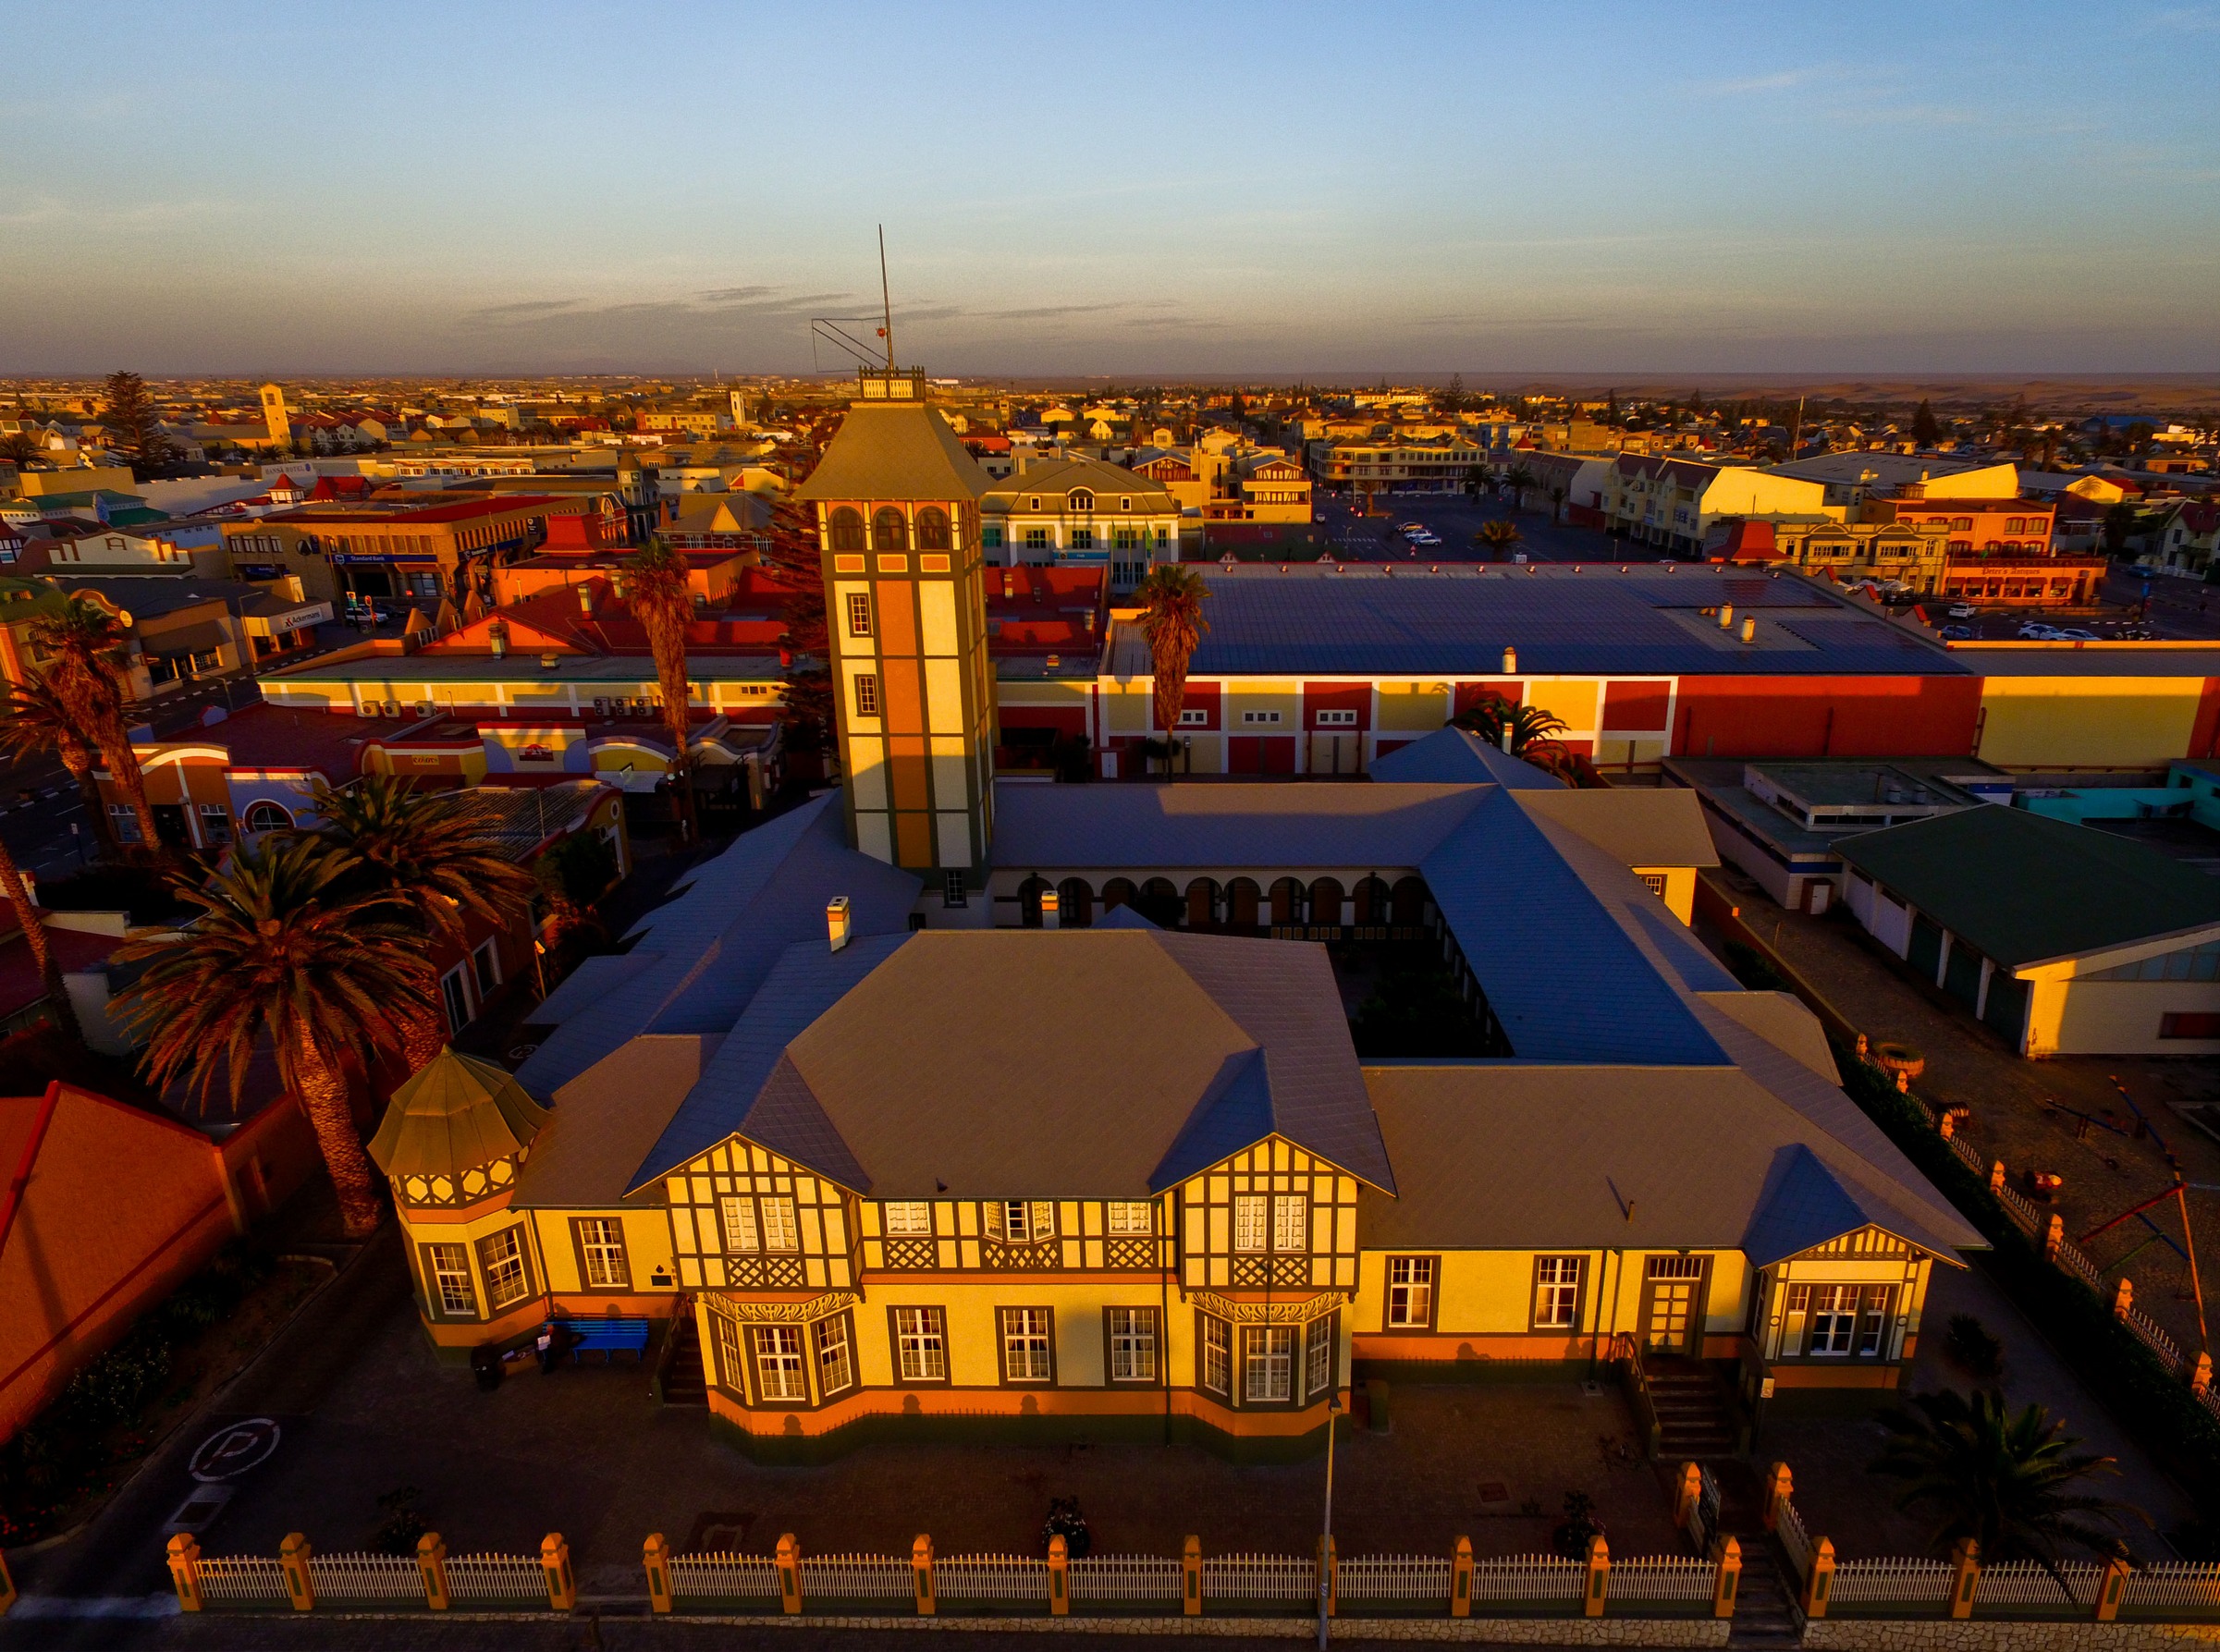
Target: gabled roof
(1296,823)
(1456,754)
(900,450)
(1636,826)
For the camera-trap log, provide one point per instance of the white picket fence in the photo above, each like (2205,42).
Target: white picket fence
(858,1577)
(1899,1580)
(497,1577)
(369,1577)
(243,1578)
(2174,1582)
(2025,1582)
(1126,1580)
(991,1577)
(722,1575)
(1794,1542)
(1259,1577)
(1663,1577)
(1528,1578)
(1407,1579)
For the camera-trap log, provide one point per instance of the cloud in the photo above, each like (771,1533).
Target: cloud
(1784,80)
(525,309)
(2183,19)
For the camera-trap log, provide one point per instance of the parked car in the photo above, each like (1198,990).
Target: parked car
(1957,633)
(2068,634)
(2035,631)
(1962,610)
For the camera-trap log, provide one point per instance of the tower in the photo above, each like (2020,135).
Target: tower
(274,415)
(897,507)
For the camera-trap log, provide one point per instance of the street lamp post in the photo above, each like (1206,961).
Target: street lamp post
(1333,1410)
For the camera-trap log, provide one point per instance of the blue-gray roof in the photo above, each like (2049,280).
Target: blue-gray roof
(1290,824)
(1454,754)
(1597,622)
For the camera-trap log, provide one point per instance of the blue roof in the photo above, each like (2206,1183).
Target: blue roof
(1597,622)
(1454,754)
(1319,822)
(1804,1205)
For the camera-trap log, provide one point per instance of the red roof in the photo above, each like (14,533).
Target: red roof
(73,949)
(288,738)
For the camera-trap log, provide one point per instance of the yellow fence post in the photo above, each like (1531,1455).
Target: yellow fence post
(1460,1580)
(655,1556)
(8,1587)
(1996,1177)
(555,1560)
(2201,1374)
(1191,1585)
(1779,1484)
(2123,1298)
(2054,1236)
(185,1571)
(1688,1494)
(1599,1575)
(432,1560)
(2112,1586)
(292,1554)
(1821,1584)
(1329,1574)
(789,1574)
(921,1568)
(1060,1560)
(1964,1576)
(1727,1582)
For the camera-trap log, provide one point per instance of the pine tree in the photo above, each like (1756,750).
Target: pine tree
(1927,430)
(136,429)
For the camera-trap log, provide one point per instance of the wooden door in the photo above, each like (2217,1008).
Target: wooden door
(1672,1305)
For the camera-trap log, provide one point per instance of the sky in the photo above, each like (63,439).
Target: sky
(1137,190)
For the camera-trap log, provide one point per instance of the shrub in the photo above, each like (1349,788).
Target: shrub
(1972,1349)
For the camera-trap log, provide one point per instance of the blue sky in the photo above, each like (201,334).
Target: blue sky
(1140,190)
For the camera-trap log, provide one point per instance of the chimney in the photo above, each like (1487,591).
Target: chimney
(496,637)
(1051,910)
(1749,628)
(1510,662)
(836,920)
(1726,616)
(585,599)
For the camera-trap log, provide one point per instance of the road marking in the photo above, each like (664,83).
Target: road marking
(96,1605)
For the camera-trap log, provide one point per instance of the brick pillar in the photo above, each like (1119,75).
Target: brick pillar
(432,1562)
(1191,1586)
(1964,1576)
(292,1554)
(1330,1575)
(562,1583)
(789,1574)
(1727,1582)
(655,1557)
(1060,1577)
(1779,1484)
(921,1568)
(184,1570)
(1686,1494)
(2053,1235)
(2201,1374)
(2111,1587)
(2124,1298)
(1598,1576)
(1460,1580)
(1821,1584)
(1997,1177)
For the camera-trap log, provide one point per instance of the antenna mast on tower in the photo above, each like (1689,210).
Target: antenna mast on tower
(885,301)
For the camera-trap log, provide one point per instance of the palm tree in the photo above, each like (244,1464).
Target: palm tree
(434,856)
(656,584)
(19,448)
(1521,480)
(285,949)
(41,954)
(1498,536)
(34,717)
(1172,619)
(87,642)
(2004,1478)
(1525,732)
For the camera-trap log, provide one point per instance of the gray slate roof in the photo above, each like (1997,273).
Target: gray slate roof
(1454,754)
(895,450)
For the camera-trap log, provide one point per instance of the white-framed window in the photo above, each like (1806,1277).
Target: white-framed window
(1080,499)
(1133,1344)
(1020,1221)
(1318,1356)
(779,1361)
(738,1213)
(1194,717)
(1654,882)
(909,1216)
(1130,1215)
(1872,1323)
(1218,1356)
(1291,1222)
(1410,1292)
(731,1368)
(1556,1291)
(601,1253)
(836,1366)
(866,694)
(455,997)
(859,614)
(485,964)
(1833,1319)
(215,824)
(1337,719)
(780,1232)
(1249,1232)
(1026,1345)
(921,1344)
(1036,539)
(450,1266)
(1260,717)
(502,1256)
(1269,1362)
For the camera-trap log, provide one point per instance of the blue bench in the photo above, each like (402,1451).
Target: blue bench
(606,1336)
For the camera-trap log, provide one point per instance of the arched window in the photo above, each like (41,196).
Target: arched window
(1408,900)
(1241,903)
(1326,900)
(1080,499)
(1371,900)
(1202,903)
(1078,903)
(847,530)
(267,817)
(1116,893)
(1029,897)
(932,529)
(889,532)
(1287,902)
(1159,902)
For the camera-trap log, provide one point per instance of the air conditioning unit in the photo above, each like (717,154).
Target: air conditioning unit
(601,706)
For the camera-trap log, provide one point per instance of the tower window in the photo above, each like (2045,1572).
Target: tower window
(859,614)
(1080,499)
(932,529)
(889,532)
(866,694)
(847,530)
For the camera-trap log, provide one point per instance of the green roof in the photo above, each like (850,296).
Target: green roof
(2025,889)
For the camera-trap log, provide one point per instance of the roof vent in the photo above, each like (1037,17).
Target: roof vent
(585,600)
(1510,662)
(1749,628)
(836,920)
(1726,616)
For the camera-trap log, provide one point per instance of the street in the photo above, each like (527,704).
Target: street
(1456,518)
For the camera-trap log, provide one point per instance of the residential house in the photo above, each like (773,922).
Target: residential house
(1070,512)
(1675,503)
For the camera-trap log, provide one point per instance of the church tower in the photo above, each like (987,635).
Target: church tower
(897,503)
(274,416)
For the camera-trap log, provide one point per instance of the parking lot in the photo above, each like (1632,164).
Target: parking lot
(1457,519)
